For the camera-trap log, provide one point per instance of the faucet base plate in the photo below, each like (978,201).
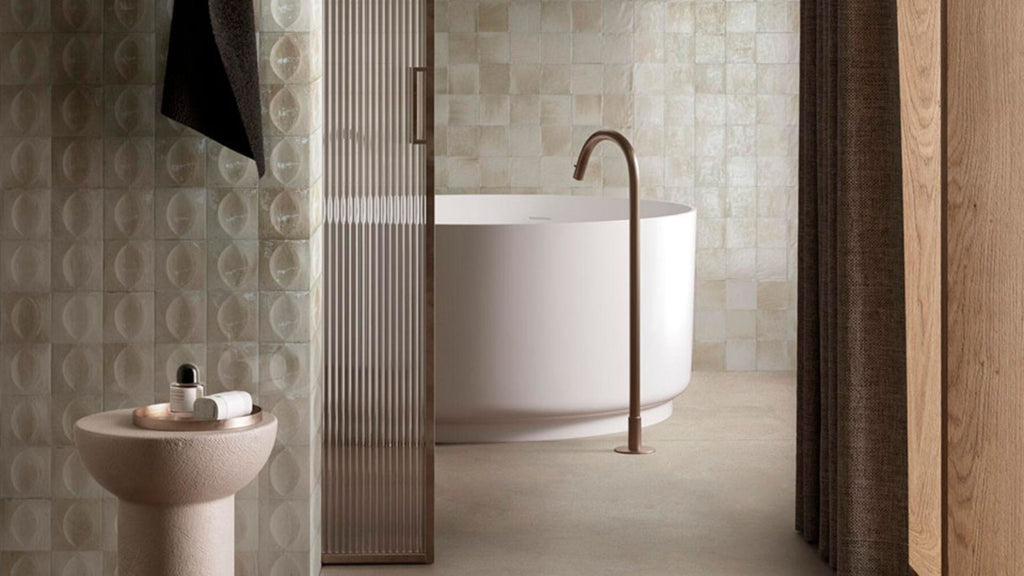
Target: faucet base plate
(640,451)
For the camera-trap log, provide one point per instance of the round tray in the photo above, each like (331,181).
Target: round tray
(160,417)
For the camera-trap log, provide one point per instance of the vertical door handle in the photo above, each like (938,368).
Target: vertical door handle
(418,105)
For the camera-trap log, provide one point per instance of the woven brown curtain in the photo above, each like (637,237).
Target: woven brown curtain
(851,448)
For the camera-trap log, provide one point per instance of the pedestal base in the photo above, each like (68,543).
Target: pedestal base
(176,540)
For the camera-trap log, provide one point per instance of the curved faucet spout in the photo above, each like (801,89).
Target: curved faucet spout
(623,143)
(635,445)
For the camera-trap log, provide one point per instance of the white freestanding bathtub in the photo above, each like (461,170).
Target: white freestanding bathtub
(532,320)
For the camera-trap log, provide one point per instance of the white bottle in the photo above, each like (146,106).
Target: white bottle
(186,389)
(223,405)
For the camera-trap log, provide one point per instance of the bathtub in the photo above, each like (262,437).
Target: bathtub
(532,321)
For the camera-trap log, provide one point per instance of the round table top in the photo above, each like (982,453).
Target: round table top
(171,466)
(118,423)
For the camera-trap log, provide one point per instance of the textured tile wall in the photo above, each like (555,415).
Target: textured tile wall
(129,244)
(707,90)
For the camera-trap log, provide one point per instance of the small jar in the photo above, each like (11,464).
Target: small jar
(186,389)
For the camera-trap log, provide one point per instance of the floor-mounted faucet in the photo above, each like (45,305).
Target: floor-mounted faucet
(635,445)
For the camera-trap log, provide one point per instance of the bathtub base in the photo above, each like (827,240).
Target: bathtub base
(539,429)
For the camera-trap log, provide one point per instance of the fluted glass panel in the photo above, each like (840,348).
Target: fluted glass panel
(378,467)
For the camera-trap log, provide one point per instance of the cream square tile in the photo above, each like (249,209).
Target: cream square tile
(493,17)
(556,16)
(493,141)
(494,47)
(740,355)
(555,48)
(494,110)
(524,48)
(494,172)
(128,214)
(525,17)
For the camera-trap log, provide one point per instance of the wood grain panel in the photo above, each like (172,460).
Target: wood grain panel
(985,286)
(920,29)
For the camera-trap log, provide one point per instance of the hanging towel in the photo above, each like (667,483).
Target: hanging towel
(212,79)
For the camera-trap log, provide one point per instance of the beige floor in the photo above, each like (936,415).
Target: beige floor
(716,499)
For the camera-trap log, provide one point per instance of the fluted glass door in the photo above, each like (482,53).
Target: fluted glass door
(378,262)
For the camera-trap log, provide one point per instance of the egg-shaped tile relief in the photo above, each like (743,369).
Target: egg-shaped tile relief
(30,472)
(286,109)
(28,421)
(285,472)
(184,265)
(79,112)
(28,524)
(28,368)
(284,565)
(132,316)
(28,317)
(285,526)
(235,213)
(26,111)
(234,367)
(78,563)
(286,58)
(77,369)
(283,367)
(287,265)
(183,318)
(80,265)
(130,371)
(73,480)
(80,524)
(236,265)
(288,162)
(131,265)
(234,170)
(181,161)
(236,317)
(287,213)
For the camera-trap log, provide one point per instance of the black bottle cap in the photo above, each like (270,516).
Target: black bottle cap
(188,374)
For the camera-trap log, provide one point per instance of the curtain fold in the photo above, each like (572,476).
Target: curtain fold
(851,446)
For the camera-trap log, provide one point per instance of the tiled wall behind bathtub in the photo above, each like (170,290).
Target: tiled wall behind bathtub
(129,244)
(707,90)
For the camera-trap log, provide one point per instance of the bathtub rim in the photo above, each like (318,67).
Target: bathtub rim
(671,210)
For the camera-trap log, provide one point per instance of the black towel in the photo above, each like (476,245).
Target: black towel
(212,80)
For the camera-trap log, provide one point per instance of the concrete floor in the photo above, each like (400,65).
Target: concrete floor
(715,500)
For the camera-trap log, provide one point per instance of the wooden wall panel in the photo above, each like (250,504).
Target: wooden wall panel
(920,28)
(985,286)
